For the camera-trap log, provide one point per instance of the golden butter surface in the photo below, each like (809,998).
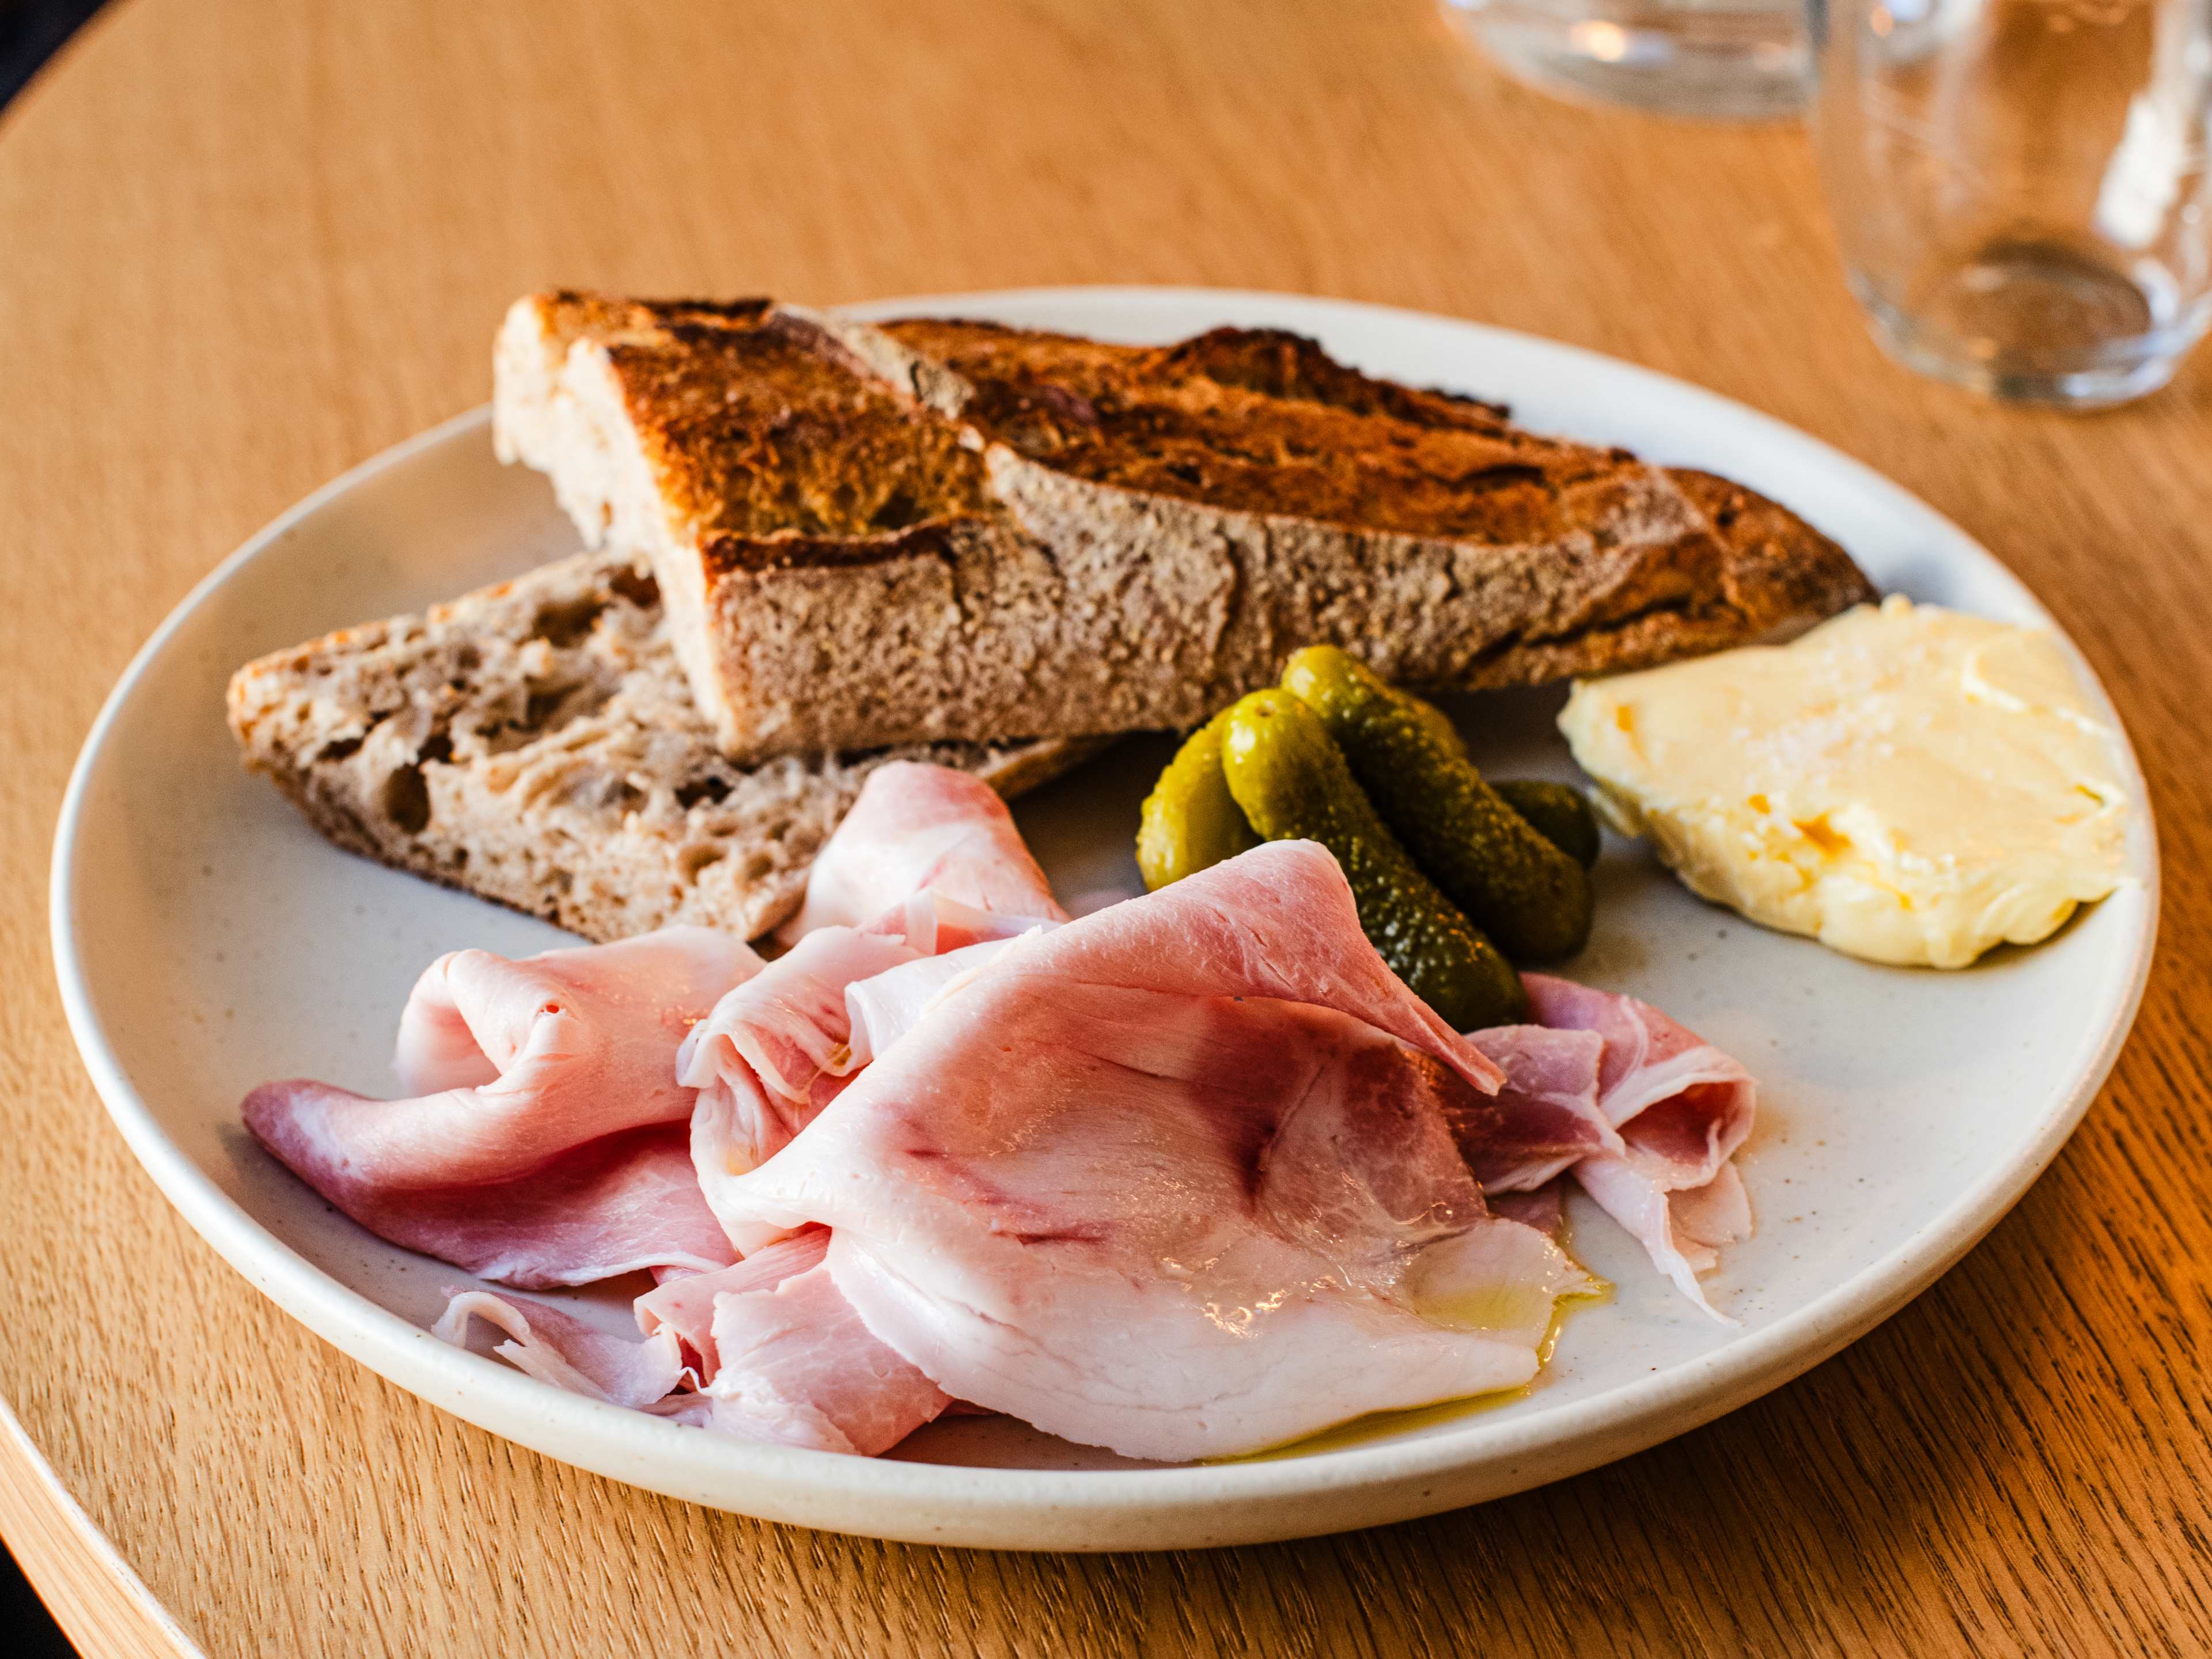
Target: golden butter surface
(1904,783)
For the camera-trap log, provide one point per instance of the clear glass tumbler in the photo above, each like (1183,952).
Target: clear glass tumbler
(2020,185)
(1717,58)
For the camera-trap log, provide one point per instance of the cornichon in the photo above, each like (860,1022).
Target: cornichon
(1534,899)
(1190,820)
(1438,721)
(1559,812)
(1292,781)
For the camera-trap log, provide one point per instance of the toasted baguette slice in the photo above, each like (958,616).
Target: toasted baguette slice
(536,743)
(935,530)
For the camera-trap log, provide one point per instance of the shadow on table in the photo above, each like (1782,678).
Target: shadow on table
(33,1634)
(32,31)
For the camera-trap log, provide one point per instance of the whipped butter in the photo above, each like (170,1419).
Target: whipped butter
(1904,783)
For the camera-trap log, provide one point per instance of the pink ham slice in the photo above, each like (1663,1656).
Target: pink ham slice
(1176,1179)
(930,861)
(781,1356)
(1680,1108)
(1278,921)
(684,1305)
(880,1010)
(777,1048)
(772,1054)
(918,828)
(559,1348)
(933,924)
(620,1203)
(1541,1208)
(1546,1118)
(546,1142)
(800,1367)
(766,1349)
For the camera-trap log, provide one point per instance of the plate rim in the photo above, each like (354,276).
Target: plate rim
(1615,1423)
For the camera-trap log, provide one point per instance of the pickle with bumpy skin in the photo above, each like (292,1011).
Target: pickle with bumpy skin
(1530,897)
(1435,719)
(1292,781)
(1190,820)
(1559,812)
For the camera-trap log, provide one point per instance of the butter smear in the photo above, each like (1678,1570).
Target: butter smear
(1904,783)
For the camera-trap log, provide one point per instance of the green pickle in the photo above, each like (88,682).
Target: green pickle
(1529,895)
(1559,812)
(1190,820)
(1292,782)
(1437,723)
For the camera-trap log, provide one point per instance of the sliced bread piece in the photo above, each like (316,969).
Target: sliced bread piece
(933,530)
(536,744)
(710,438)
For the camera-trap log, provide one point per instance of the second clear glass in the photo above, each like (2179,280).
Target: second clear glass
(2020,186)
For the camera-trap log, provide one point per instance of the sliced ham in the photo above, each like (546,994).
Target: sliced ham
(1541,1208)
(1278,921)
(781,1355)
(934,923)
(880,1010)
(776,1049)
(772,1054)
(1546,1118)
(917,829)
(773,1349)
(621,1203)
(555,1153)
(559,1348)
(1194,1174)
(928,864)
(1680,1108)
(798,1366)
(1176,1179)
(684,1305)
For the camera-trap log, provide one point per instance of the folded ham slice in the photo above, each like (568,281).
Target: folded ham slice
(779,1354)
(1176,1179)
(927,863)
(880,1010)
(772,1054)
(775,1350)
(918,828)
(547,1143)
(559,1348)
(1278,921)
(1678,1109)
(1546,1118)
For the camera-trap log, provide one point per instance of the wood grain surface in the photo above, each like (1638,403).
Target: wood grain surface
(243,246)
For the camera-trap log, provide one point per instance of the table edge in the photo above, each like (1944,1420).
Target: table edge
(101,1604)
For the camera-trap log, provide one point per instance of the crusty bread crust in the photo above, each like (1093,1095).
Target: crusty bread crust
(989,532)
(536,743)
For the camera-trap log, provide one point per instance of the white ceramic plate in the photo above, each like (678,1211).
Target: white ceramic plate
(207,939)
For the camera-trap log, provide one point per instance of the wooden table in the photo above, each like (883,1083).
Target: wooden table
(243,246)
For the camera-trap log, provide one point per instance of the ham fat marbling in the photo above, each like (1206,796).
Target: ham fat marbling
(1190,1175)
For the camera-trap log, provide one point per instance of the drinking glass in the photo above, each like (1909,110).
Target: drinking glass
(2020,185)
(1717,58)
